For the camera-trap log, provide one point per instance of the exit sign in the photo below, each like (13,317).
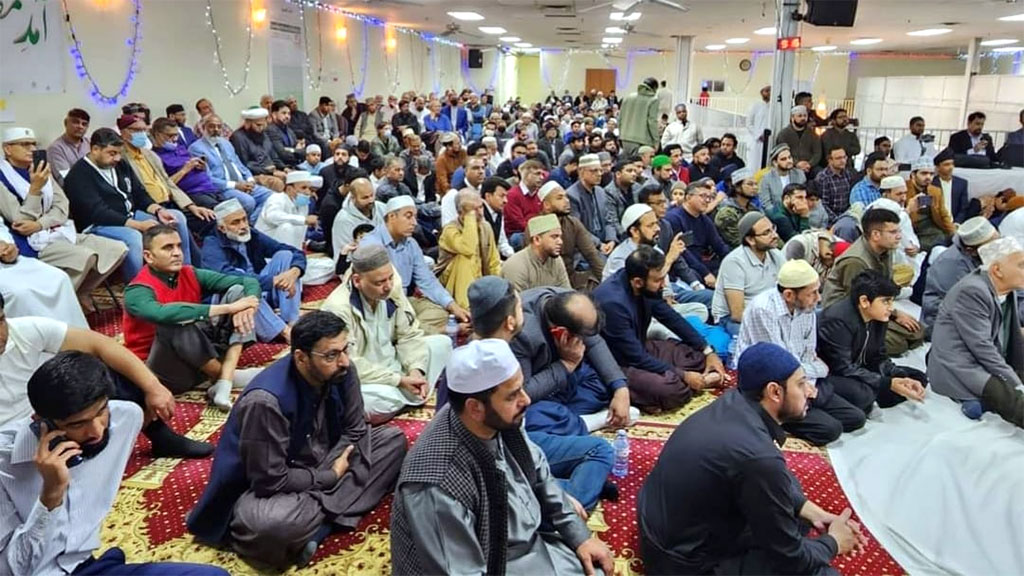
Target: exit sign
(790,43)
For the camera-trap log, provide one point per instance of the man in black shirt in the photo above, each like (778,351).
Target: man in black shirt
(720,499)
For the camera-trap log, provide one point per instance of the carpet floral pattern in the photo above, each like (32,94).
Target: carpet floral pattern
(148,518)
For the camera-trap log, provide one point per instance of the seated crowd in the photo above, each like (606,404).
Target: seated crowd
(600,261)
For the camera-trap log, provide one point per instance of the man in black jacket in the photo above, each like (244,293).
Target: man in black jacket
(290,147)
(107,199)
(721,500)
(851,341)
(973,141)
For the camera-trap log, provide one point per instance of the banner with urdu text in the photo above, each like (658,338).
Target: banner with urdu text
(32,54)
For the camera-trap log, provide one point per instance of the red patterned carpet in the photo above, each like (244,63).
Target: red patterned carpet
(148,519)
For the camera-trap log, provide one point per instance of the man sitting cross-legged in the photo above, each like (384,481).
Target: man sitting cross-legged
(60,470)
(297,459)
(475,495)
(398,364)
(167,325)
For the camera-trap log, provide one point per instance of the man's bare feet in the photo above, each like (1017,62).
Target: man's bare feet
(695,380)
(286,334)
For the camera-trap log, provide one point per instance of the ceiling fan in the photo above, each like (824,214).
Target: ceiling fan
(453,28)
(630,28)
(630,5)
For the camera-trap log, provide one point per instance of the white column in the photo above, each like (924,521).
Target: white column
(683,68)
(784,69)
(971,68)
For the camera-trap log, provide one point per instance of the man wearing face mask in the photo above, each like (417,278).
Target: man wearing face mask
(286,216)
(225,174)
(75,425)
(297,459)
(234,248)
(385,144)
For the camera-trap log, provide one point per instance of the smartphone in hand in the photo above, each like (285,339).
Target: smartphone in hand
(35,426)
(38,157)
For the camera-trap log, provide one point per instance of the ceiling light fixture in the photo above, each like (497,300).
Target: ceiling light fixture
(614,30)
(737,40)
(510,39)
(1014,18)
(930,32)
(823,48)
(466,16)
(612,40)
(999,42)
(715,47)
(769,31)
(523,45)
(865,41)
(1009,49)
(623,17)
(492,30)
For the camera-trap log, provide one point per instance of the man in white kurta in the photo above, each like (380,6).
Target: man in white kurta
(398,364)
(32,288)
(285,217)
(758,120)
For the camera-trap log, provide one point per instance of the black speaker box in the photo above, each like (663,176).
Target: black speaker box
(475,57)
(831,12)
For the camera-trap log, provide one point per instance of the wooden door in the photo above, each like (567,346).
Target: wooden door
(600,79)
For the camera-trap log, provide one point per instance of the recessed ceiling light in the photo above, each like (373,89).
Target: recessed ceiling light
(1014,18)
(769,31)
(510,38)
(492,29)
(715,47)
(737,40)
(823,48)
(1009,49)
(466,16)
(999,42)
(623,17)
(865,41)
(523,45)
(930,32)
(612,40)
(614,30)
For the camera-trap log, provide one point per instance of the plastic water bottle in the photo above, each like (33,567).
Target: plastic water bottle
(734,347)
(621,446)
(452,330)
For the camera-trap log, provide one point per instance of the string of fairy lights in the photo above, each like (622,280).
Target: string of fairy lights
(82,70)
(313,84)
(219,58)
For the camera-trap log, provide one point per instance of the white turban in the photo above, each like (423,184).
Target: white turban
(481,365)
(255,113)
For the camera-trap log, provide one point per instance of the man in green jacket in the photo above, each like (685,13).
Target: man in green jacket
(638,118)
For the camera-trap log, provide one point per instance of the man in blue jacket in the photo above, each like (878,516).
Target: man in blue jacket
(661,375)
(227,172)
(235,248)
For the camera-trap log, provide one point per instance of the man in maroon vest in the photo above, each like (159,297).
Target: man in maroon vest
(182,340)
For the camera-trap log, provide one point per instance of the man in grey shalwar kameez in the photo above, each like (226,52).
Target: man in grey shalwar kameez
(474,490)
(297,459)
(977,354)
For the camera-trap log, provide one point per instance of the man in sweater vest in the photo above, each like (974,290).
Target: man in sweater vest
(481,511)
(182,340)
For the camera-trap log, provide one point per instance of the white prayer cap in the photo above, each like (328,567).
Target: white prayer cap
(399,202)
(590,161)
(801,109)
(313,148)
(408,132)
(18,134)
(634,213)
(923,163)
(998,249)
(892,182)
(316,181)
(548,188)
(738,176)
(481,365)
(297,177)
(488,140)
(886,204)
(227,208)
(254,113)
(975,231)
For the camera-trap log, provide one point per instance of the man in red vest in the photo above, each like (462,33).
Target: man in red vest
(183,340)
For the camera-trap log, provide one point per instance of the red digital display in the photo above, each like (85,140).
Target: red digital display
(790,43)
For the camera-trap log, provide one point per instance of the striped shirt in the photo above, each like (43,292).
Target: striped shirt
(766,318)
(41,542)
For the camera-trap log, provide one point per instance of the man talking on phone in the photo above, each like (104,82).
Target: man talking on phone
(297,459)
(60,469)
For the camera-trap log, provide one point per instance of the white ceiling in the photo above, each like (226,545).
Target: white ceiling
(711,21)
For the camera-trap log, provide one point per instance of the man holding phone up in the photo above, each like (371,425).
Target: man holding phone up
(60,470)
(929,212)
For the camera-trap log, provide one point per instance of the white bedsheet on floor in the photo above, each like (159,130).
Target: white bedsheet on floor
(943,494)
